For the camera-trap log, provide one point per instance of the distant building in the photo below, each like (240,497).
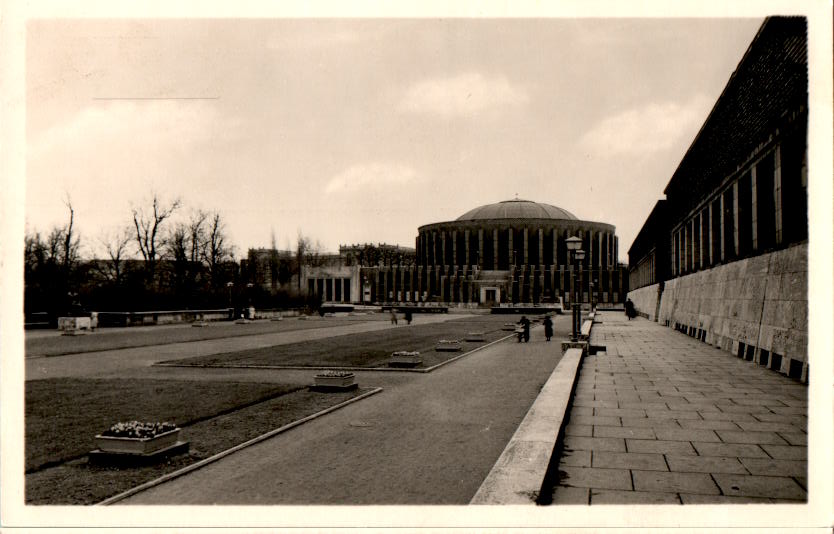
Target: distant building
(724,257)
(508,252)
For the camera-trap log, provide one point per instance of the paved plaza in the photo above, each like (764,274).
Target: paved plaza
(660,417)
(430,439)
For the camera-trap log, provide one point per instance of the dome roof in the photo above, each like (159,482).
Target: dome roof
(516,209)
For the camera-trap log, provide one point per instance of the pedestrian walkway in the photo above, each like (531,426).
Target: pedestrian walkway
(660,417)
(431,440)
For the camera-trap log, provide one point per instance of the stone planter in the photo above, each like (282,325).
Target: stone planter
(138,446)
(335,382)
(405,359)
(447,346)
(475,336)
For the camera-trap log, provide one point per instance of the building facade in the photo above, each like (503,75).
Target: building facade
(724,256)
(510,252)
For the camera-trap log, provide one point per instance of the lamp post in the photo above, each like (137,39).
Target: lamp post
(573,244)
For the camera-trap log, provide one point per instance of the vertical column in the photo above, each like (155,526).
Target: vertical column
(599,249)
(467,258)
(454,247)
(541,246)
(777,192)
(589,254)
(616,250)
(699,221)
(480,248)
(526,247)
(443,247)
(510,254)
(555,247)
(710,234)
(735,219)
(754,207)
(721,210)
(495,249)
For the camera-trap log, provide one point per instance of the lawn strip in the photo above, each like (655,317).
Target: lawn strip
(78,482)
(64,414)
(360,350)
(102,340)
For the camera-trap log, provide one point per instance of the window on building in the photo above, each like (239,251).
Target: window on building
(715,232)
(729,226)
(765,203)
(794,173)
(745,215)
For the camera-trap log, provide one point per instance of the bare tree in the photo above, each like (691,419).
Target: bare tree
(148,231)
(71,242)
(216,250)
(197,235)
(116,247)
(273,262)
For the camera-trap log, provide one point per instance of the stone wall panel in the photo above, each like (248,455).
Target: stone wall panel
(760,301)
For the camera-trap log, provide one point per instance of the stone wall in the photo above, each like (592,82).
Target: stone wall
(756,308)
(645,301)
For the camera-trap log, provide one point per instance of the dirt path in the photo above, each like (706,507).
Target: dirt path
(429,440)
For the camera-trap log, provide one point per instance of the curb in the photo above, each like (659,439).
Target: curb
(310,368)
(522,473)
(227,452)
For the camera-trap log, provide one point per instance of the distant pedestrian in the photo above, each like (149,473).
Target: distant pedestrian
(524,331)
(393,316)
(408,316)
(629,309)
(548,327)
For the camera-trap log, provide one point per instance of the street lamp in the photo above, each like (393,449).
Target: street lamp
(574,243)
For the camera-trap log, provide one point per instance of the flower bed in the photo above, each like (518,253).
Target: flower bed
(475,336)
(335,379)
(448,345)
(135,437)
(405,358)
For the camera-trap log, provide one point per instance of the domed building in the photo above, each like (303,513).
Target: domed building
(514,251)
(510,252)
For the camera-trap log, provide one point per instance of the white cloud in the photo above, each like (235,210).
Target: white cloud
(371,175)
(646,129)
(464,94)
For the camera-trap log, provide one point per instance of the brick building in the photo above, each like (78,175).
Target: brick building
(724,256)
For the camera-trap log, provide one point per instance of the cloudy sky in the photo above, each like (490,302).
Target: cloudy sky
(361,130)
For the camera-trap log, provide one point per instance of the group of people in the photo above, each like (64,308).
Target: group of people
(523,331)
(394,316)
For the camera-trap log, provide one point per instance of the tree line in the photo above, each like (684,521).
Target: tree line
(164,258)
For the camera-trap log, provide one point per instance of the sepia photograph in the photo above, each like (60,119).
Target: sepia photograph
(471,269)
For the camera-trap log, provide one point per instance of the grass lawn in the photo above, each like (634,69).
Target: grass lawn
(62,416)
(367,349)
(122,338)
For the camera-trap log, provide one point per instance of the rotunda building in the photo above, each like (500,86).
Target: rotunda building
(514,252)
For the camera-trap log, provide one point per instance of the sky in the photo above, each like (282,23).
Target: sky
(362,130)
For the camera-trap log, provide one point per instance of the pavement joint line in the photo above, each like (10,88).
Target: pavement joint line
(331,368)
(202,463)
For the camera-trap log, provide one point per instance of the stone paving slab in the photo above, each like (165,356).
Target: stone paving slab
(687,422)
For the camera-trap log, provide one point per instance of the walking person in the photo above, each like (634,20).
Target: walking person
(525,329)
(408,316)
(393,316)
(630,312)
(548,327)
